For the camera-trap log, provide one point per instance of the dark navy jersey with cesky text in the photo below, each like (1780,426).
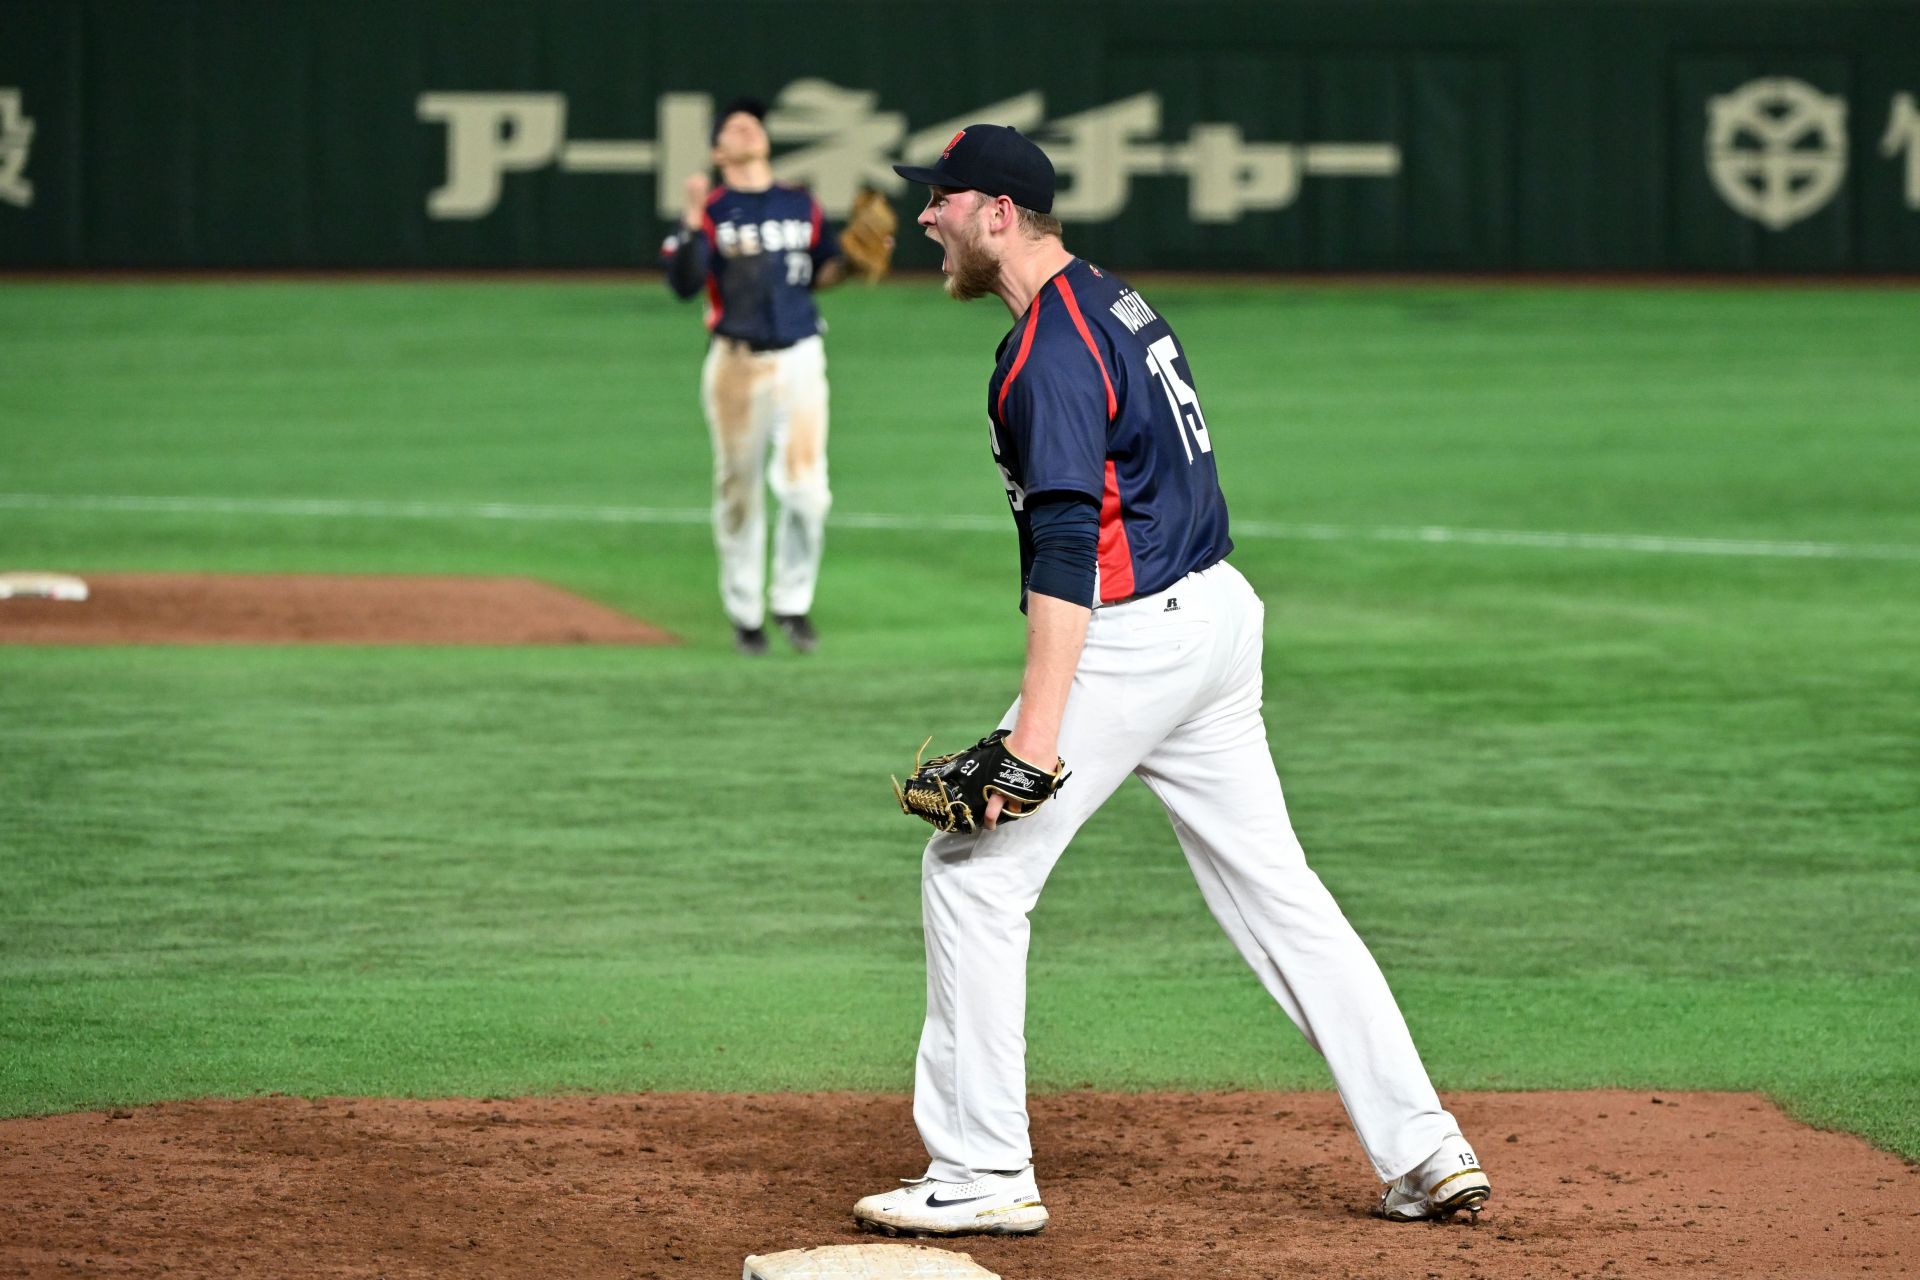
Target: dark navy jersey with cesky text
(1093,396)
(758,252)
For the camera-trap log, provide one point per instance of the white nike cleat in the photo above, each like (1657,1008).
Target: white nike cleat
(993,1204)
(1448,1181)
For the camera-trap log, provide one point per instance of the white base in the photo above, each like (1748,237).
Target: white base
(42,586)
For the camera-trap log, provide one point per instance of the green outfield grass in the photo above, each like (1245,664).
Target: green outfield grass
(1607,816)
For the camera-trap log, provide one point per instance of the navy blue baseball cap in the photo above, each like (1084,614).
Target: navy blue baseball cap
(993,159)
(739,106)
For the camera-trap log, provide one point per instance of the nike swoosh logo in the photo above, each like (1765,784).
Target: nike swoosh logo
(935,1202)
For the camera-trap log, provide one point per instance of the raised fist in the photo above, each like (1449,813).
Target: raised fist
(697,188)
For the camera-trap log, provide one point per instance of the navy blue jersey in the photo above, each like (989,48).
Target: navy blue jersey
(755,253)
(1093,396)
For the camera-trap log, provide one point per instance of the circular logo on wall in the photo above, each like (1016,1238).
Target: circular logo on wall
(1777,149)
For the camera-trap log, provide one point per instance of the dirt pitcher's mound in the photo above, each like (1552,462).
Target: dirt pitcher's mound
(1146,1187)
(217,608)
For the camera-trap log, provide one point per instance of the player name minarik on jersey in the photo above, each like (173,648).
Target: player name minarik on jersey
(1131,310)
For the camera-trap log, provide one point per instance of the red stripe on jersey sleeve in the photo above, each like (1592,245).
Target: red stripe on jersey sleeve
(815,242)
(716,307)
(1115,556)
(1019,359)
(1080,323)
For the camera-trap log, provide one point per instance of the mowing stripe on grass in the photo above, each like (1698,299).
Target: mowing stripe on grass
(1652,544)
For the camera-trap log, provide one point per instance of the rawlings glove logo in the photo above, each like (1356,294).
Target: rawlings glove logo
(1012,775)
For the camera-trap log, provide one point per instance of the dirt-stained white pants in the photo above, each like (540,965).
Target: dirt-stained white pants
(767,414)
(1169,689)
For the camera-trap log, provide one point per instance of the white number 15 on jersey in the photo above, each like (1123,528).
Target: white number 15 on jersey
(1181,397)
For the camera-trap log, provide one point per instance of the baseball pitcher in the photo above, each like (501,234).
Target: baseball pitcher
(1143,658)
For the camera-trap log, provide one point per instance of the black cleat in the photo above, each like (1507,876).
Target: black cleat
(751,641)
(798,630)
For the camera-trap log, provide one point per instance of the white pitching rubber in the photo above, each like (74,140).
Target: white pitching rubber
(866,1262)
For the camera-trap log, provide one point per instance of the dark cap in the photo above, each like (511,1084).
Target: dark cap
(751,106)
(992,159)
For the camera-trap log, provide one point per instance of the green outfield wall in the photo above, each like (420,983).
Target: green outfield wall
(1344,136)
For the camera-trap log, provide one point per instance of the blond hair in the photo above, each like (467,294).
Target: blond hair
(1038,226)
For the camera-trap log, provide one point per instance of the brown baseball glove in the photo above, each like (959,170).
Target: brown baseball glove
(952,791)
(866,240)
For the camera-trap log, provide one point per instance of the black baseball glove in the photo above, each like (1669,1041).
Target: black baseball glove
(952,791)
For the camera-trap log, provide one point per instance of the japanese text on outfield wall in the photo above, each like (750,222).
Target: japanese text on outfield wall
(16,142)
(1775,149)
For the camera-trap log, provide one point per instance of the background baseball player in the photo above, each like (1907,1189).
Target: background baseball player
(1143,657)
(758,249)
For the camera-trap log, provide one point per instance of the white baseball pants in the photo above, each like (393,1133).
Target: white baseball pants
(767,414)
(1168,689)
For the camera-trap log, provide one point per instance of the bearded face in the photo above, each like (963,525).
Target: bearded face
(972,270)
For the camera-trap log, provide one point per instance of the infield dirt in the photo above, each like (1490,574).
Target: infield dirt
(216,608)
(1141,1187)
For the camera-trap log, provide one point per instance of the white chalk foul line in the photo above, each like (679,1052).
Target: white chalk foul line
(1433,534)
